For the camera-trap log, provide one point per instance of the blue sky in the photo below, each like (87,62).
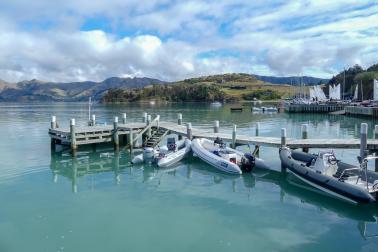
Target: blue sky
(91,40)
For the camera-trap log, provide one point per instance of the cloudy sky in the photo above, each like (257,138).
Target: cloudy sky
(70,40)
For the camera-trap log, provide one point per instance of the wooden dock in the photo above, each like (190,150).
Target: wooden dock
(313,108)
(130,133)
(362,111)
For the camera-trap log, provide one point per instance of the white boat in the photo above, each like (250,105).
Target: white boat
(166,155)
(216,104)
(256,109)
(271,109)
(223,158)
(172,157)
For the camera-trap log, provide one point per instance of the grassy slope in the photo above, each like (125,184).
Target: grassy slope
(226,81)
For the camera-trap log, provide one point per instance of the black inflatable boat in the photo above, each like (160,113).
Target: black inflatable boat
(354,184)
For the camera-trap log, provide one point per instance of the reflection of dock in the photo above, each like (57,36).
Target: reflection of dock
(92,163)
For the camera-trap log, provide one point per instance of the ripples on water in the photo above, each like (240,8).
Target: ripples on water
(99,202)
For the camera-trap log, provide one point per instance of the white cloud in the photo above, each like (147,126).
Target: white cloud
(44,40)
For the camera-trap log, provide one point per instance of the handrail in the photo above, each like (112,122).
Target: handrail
(140,134)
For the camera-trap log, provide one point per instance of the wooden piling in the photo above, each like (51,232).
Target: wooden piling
(73,137)
(124,118)
(53,122)
(144,117)
(131,140)
(189,133)
(157,121)
(179,118)
(363,141)
(115,134)
(233,143)
(283,137)
(124,121)
(376,151)
(53,126)
(93,122)
(257,129)
(216,126)
(148,123)
(305,136)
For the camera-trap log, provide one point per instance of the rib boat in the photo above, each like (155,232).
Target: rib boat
(164,156)
(354,184)
(221,157)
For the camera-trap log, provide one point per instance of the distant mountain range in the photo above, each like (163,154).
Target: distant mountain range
(294,80)
(36,90)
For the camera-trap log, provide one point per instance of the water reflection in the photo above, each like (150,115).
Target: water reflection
(92,163)
(87,163)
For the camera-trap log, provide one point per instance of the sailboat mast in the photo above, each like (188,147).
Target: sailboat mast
(362,91)
(344,85)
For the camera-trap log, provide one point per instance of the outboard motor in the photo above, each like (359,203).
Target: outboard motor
(148,154)
(247,162)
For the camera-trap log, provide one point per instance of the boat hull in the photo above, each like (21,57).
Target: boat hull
(212,159)
(333,187)
(174,157)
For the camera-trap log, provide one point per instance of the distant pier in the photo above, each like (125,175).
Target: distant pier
(313,108)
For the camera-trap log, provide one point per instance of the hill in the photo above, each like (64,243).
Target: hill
(294,80)
(35,90)
(227,87)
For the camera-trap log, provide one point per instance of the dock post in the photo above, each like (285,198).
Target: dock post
(124,118)
(73,137)
(363,141)
(158,121)
(115,134)
(179,118)
(257,129)
(53,140)
(189,133)
(93,123)
(144,117)
(305,136)
(131,139)
(283,137)
(376,151)
(233,144)
(124,137)
(53,122)
(148,124)
(216,126)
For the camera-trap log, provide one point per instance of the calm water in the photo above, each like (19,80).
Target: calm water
(98,202)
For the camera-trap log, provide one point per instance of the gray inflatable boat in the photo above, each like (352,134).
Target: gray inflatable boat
(354,184)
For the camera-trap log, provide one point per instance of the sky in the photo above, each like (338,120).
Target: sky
(76,40)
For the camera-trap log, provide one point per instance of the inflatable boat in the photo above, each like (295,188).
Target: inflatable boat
(226,159)
(166,155)
(354,184)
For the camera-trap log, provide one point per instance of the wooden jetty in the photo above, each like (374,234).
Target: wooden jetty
(153,131)
(313,108)
(362,111)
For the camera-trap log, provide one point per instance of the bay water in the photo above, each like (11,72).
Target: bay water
(99,202)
